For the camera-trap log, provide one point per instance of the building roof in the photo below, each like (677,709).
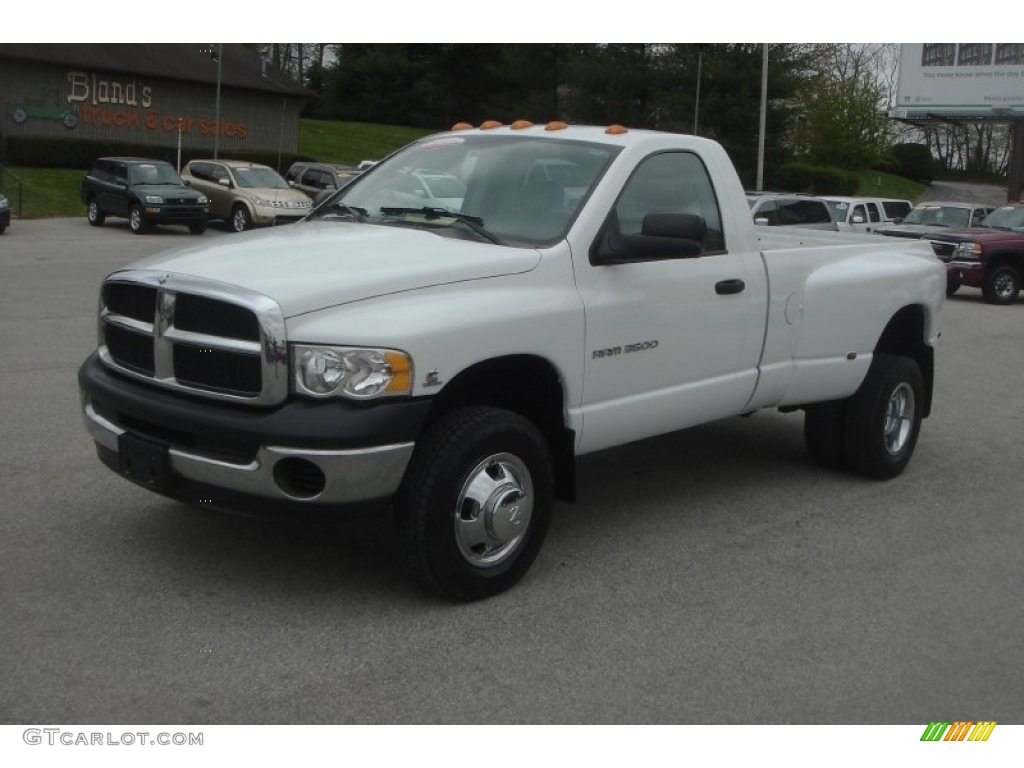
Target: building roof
(241,67)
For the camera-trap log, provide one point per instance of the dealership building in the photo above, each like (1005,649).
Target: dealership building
(222,96)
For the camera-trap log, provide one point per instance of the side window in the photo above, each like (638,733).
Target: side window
(858,210)
(769,210)
(670,182)
(218,172)
(791,212)
(814,212)
(873,214)
(199,171)
(120,172)
(294,172)
(312,178)
(978,217)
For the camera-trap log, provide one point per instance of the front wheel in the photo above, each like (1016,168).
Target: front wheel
(883,417)
(240,219)
(136,221)
(475,504)
(1002,285)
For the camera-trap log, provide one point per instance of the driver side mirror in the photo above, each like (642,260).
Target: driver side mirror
(224,182)
(662,236)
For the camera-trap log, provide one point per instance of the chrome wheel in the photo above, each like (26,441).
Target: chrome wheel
(240,219)
(1004,285)
(95,215)
(493,510)
(899,418)
(136,223)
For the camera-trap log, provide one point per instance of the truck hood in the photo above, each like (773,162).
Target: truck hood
(318,264)
(981,235)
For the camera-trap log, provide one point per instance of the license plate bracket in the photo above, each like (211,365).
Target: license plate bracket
(144,461)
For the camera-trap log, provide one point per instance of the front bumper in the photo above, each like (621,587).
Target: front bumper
(238,458)
(970,273)
(174,214)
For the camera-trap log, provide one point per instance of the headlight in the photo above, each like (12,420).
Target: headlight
(155,199)
(260,201)
(968,250)
(352,372)
(203,201)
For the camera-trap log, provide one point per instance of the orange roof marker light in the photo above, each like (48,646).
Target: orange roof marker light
(490,125)
(616,129)
(462,127)
(518,125)
(556,125)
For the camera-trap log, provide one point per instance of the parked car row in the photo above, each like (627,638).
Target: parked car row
(151,192)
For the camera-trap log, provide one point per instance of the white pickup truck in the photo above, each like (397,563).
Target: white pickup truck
(576,288)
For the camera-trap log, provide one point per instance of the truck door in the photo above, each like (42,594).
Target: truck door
(673,342)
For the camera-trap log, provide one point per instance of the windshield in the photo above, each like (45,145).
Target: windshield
(939,216)
(516,190)
(257,177)
(839,209)
(154,173)
(1006,218)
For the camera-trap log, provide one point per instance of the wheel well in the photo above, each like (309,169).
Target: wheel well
(1013,259)
(904,335)
(527,385)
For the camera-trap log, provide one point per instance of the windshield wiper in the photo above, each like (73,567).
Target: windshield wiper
(357,213)
(474,223)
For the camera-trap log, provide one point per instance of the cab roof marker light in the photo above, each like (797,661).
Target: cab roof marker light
(556,125)
(489,125)
(616,130)
(519,125)
(462,127)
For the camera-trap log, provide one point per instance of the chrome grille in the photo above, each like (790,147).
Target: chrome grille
(187,334)
(943,250)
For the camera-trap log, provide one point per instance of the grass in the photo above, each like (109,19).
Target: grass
(49,192)
(330,141)
(878,184)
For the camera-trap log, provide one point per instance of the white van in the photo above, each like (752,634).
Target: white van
(866,214)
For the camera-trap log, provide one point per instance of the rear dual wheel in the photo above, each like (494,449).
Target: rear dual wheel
(874,432)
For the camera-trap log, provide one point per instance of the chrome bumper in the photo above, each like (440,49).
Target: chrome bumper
(351,475)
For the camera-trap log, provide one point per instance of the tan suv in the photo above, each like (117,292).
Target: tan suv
(245,194)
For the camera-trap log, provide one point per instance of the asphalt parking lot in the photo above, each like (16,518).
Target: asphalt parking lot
(709,576)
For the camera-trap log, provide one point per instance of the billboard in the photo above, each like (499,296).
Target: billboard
(960,80)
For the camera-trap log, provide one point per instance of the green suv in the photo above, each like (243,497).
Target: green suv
(146,192)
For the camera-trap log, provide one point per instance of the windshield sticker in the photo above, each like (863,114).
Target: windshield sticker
(453,141)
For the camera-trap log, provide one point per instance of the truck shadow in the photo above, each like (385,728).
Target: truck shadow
(684,473)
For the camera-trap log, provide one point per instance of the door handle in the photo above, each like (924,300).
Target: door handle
(725,287)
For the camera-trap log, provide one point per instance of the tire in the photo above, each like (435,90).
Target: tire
(883,417)
(1002,285)
(94,214)
(241,220)
(825,434)
(952,287)
(197,229)
(136,221)
(475,504)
